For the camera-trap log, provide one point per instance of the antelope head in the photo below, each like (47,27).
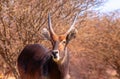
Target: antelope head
(59,42)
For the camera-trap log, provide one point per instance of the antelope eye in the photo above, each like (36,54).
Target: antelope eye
(64,42)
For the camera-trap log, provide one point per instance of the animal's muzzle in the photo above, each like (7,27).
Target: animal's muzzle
(55,54)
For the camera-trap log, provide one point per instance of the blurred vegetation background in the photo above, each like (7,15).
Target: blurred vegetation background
(95,53)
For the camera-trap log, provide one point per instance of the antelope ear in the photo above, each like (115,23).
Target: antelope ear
(71,35)
(46,34)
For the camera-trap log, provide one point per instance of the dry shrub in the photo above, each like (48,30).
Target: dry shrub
(97,49)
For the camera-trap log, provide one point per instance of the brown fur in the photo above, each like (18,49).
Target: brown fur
(35,62)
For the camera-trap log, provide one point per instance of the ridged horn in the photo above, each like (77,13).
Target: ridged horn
(73,24)
(50,25)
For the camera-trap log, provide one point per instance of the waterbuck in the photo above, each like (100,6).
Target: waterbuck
(37,62)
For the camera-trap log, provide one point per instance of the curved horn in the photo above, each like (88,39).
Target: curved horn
(50,25)
(73,24)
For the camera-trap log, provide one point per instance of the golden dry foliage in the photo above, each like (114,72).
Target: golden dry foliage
(99,48)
